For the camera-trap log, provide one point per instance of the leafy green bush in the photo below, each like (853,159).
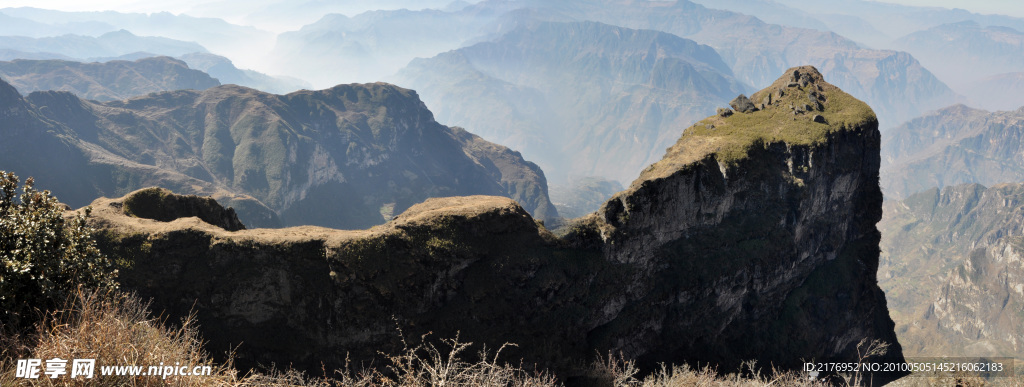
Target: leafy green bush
(44,257)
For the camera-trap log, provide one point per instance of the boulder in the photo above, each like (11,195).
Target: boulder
(742,104)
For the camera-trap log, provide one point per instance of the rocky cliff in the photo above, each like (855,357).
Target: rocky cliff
(754,238)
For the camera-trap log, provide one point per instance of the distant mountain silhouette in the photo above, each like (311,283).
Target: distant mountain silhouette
(106,81)
(582,99)
(951,146)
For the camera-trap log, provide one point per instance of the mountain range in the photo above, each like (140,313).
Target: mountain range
(895,20)
(953,146)
(244,44)
(952,271)
(113,80)
(985,50)
(225,71)
(375,43)
(350,156)
(892,82)
(779,196)
(111,44)
(38,76)
(582,99)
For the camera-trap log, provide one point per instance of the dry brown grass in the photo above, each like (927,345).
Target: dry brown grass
(118,330)
(617,372)
(114,330)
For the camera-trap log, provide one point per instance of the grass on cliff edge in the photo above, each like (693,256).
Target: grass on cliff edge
(117,330)
(730,138)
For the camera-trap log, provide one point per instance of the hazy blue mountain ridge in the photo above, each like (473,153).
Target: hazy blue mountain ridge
(245,45)
(111,44)
(981,51)
(952,146)
(896,20)
(221,68)
(892,82)
(18,26)
(375,44)
(582,99)
(106,81)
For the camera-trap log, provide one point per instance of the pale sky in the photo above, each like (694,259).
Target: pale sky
(1006,7)
(177,6)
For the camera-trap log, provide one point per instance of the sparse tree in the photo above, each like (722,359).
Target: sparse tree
(43,257)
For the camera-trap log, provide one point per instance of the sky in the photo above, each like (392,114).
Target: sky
(1009,7)
(1005,7)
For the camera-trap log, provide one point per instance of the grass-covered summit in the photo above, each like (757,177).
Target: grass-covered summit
(800,108)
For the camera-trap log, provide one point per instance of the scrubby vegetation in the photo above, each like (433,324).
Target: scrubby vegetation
(44,257)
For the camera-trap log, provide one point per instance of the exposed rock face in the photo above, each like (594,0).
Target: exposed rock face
(953,270)
(781,237)
(754,239)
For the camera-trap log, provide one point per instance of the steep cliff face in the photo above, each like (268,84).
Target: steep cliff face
(754,238)
(763,219)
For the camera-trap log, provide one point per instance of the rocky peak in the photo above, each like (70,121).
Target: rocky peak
(750,214)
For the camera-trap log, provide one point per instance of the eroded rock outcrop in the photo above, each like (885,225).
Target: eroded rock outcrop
(162,205)
(753,238)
